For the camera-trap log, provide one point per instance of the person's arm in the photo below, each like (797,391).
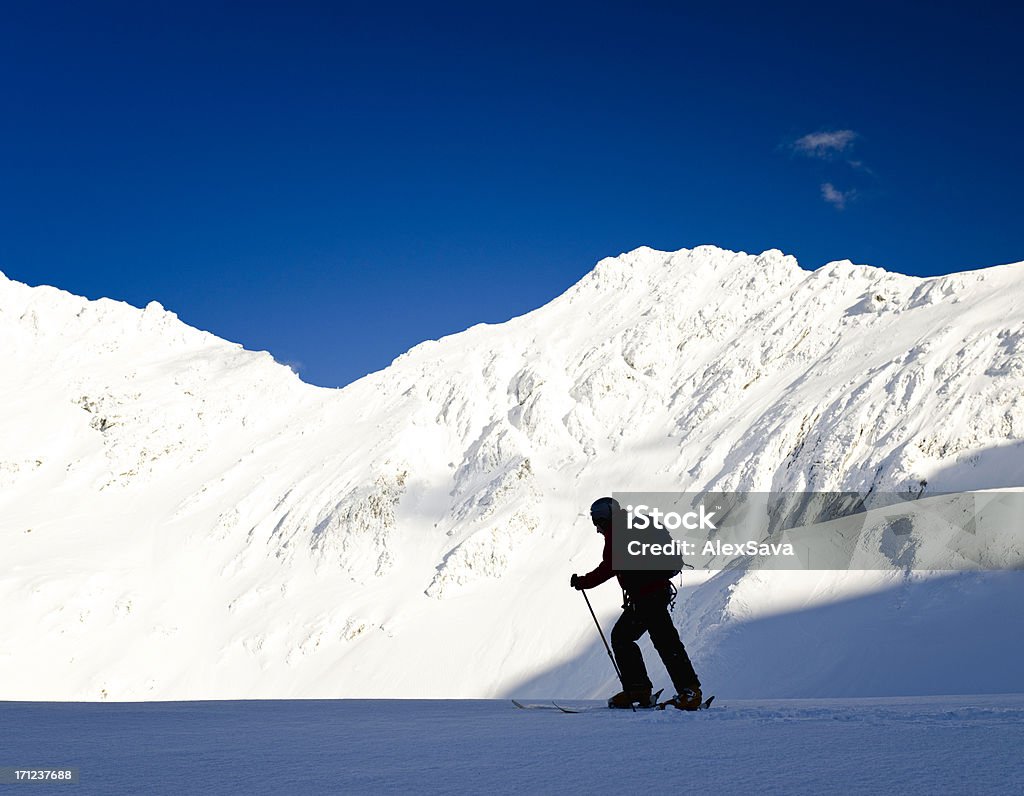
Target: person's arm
(603,571)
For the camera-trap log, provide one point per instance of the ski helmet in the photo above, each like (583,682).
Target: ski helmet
(603,508)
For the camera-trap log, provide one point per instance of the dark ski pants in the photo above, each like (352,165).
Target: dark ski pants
(649,614)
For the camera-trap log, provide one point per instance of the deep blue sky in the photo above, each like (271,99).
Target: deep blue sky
(335,182)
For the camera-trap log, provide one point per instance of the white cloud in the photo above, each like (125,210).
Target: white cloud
(823,144)
(834,196)
(859,165)
(833,146)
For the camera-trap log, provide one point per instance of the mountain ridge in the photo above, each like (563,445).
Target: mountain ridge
(188,519)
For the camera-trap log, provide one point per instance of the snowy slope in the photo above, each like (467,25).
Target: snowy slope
(181,518)
(923,745)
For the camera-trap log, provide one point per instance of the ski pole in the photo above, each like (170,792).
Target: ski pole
(607,648)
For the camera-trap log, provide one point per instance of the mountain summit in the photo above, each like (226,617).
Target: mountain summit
(183,519)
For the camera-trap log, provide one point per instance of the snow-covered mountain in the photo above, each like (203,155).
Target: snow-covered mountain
(180,518)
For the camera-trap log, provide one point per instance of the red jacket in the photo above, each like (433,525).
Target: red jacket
(604,570)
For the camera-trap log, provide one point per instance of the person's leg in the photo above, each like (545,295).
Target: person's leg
(665,638)
(627,653)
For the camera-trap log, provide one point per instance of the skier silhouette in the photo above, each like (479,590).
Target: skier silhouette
(646,599)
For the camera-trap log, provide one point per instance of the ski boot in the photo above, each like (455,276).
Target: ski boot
(639,697)
(687,699)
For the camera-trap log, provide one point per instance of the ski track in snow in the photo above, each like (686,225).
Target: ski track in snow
(183,519)
(910,746)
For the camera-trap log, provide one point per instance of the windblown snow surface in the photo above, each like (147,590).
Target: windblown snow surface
(924,745)
(184,519)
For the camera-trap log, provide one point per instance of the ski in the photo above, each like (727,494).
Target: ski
(521,706)
(654,704)
(703,705)
(575,710)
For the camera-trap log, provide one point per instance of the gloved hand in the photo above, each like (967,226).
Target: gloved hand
(574,581)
